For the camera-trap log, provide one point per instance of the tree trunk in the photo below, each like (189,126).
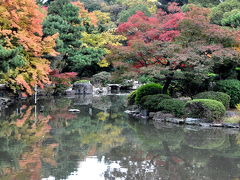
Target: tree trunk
(169,79)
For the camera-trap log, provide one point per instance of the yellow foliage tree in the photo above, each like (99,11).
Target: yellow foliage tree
(102,40)
(150,4)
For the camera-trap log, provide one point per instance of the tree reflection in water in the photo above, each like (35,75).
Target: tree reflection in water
(55,143)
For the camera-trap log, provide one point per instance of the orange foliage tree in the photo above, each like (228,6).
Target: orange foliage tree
(21,27)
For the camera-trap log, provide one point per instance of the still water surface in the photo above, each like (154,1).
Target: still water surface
(46,142)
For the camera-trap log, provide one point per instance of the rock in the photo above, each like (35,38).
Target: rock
(193,121)
(101,90)
(136,85)
(175,120)
(83,100)
(185,98)
(83,88)
(216,125)
(144,112)
(231,114)
(160,116)
(152,114)
(204,124)
(41,108)
(231,125)
(73,110)
(132,112)
(70,91)
(4,102)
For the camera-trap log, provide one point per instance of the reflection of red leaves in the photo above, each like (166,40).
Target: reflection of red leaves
(177,160)
(92,151)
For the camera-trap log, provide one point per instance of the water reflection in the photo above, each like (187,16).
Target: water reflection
(48,142)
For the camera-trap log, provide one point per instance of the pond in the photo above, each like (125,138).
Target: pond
(46,142)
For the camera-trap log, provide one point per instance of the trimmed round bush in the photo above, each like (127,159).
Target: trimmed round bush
(174,106)
(205,108)
(230,87)
(131,98)
(218,96)
(150,102)
(147,89)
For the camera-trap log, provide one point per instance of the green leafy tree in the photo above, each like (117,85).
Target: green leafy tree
(124,15)
(10,59)
(224,12)
(206,3)
(64,19)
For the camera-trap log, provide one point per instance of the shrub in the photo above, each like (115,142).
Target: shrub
(101,79)
(131,98)
(205,108)
(150,102)
(174,106)
(145,79)
(230,87)
(218,96)
(147,89)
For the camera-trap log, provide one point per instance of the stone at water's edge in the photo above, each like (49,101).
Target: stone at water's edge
(83,88)
(73,110)
(160,116)
(175,120)
(100,91)
(194,121)
(4,102)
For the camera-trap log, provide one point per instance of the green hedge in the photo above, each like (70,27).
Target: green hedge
(230,87)
(174,106)
(147,89)
(218,96)
(205,108)
(150,102)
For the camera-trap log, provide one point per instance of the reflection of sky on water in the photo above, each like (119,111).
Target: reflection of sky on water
(93,169)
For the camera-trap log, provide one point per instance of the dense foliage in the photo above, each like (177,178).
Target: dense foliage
(174,106)
(174,42)
(230,87)
(210,109)
(150,102)
(218,96)
(147,89)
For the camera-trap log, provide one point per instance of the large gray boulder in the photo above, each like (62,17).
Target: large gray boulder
(83,88)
